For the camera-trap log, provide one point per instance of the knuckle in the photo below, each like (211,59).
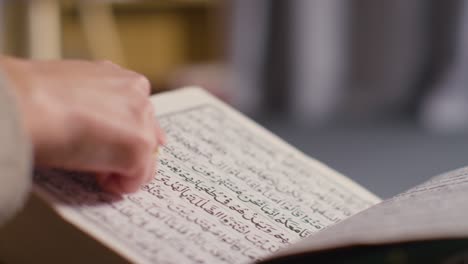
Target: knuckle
(133,159)
(136,160)
(140,101)
(141,83)
(143,143)
(79,120)
(141,147)
(130,183)
(137,104)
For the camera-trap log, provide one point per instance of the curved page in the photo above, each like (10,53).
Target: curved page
(225,191)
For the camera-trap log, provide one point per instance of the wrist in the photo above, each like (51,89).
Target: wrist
(18,74)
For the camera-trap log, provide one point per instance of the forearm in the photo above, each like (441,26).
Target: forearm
(20,77)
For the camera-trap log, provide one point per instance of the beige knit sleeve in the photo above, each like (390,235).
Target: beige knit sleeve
(15,156)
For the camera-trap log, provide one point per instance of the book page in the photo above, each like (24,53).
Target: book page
(225,191)
(432,210)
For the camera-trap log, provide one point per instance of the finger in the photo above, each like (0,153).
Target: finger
(120,183)
(160,135)
(102,179)
(154,149)
(109,183)
(142,84)
(144,167)
(143,172)
(139,164)
(139,82)
(150,174)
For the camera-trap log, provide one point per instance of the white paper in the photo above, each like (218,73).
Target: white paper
(225,191)
(433,210)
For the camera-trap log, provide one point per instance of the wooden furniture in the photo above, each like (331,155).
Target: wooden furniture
(154,38)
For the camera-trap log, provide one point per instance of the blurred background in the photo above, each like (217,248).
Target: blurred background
(375,89)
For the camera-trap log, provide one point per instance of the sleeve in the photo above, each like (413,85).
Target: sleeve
(15,155)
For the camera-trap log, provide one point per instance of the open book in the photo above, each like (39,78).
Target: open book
(228,191)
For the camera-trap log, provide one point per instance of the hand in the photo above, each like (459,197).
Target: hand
(88,116)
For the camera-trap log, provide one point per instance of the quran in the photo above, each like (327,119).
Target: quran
(228,191)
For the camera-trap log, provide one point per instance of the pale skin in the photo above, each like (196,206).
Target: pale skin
(88,116)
